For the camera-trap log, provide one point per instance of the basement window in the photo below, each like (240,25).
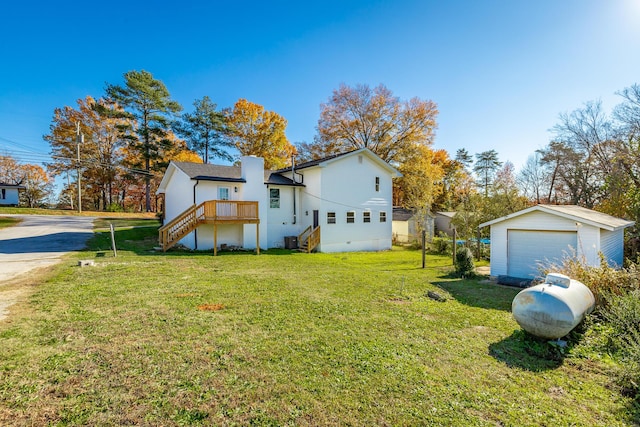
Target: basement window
(351,217)
(331,217)
(274,198)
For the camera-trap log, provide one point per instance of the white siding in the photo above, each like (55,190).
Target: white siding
(178,197)
(589,242)
(281,221)
(612,246)
(348,184)
(11,197)
(588,236)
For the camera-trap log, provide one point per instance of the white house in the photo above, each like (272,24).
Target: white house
(520,242)
(9,194)
(336,204)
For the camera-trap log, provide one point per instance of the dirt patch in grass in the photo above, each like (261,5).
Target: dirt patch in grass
(210,307)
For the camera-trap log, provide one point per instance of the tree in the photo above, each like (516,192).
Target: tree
(148,102)
(361,117)
(486,165)
(534,178)
(37,184)
(100,153)
(421,182)
(256,131)
(10,171)
(204,130)
(33,177)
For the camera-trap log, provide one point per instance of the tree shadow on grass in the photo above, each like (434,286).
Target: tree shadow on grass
(144,241)
(479,292)
(524,351)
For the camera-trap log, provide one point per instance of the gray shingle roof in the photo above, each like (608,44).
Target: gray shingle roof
(573,212)
(208,172)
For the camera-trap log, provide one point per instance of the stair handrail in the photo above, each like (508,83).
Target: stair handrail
(314,239)
(170,233)
(302,236)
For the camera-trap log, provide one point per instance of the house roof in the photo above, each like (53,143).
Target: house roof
(402,214)
(447,214)
(329,159)
(17,186)
(208,172)
(574,213)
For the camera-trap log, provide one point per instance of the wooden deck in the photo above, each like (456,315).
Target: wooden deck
(214,212)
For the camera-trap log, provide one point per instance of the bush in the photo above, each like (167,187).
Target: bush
(441,245)
(464,262)
(622,314)
(602,280)
(114,207)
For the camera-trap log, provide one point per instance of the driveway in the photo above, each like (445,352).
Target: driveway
(38,241)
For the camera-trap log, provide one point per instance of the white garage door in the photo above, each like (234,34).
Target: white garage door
(527,249)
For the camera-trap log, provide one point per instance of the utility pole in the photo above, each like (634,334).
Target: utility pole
(79,140)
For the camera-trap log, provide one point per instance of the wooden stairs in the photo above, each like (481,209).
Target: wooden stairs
(309,239)
(210,212)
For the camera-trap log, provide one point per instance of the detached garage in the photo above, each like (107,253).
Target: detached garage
(520,242)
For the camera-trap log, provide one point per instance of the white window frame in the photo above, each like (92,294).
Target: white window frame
(377,183)
(274,201)
(331,218)
(383,216)
(221,191)
(366,216)
(351,217)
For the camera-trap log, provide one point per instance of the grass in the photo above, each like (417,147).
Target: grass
(285,339)
(40,211)
(7,221)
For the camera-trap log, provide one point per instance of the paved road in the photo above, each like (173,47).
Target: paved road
(38,241)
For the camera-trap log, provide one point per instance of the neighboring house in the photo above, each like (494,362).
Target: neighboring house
(524,240)
(337,204)
(407,225)
(443,223)
(10,194)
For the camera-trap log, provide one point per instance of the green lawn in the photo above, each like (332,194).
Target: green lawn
(284,338)
(7,221)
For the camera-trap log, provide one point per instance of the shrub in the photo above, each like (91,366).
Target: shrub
(464,262)
(114,207)
(622,314)
(602,280)
(441,244)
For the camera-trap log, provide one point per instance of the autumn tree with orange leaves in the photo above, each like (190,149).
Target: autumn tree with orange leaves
(361,117)
(37,184)
(259,132)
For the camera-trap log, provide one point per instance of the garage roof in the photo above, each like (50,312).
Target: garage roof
(574,213)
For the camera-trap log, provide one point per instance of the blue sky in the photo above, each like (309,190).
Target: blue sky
(500,71)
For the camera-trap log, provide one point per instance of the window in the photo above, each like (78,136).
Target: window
(223,193)
(377,183)
(383,216)
(3,195)
(331,217)
(366,216)
(274,198)
(351,217)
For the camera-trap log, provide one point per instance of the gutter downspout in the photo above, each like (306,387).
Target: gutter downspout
(293,176)
(195,231)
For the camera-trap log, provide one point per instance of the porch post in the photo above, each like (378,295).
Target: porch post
(258,238)
(215,238)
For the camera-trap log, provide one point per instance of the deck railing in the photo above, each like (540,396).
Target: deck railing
(211,211)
